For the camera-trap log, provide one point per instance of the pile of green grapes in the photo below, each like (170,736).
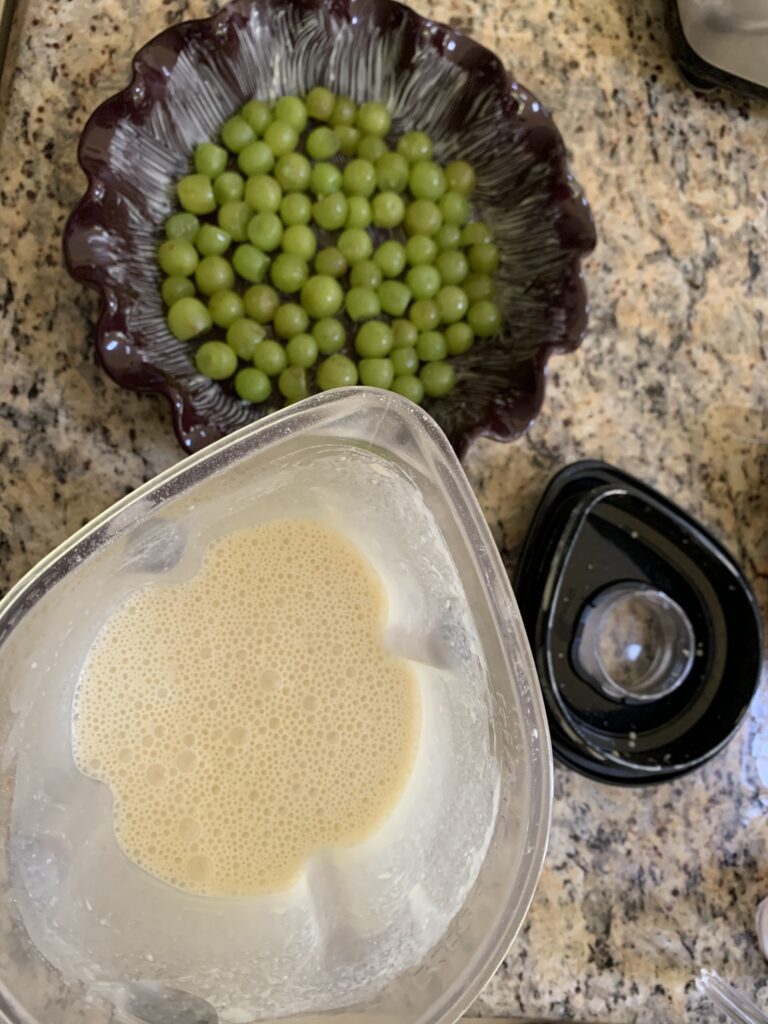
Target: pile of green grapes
(304,236)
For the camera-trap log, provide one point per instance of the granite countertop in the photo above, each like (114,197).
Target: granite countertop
(640,888)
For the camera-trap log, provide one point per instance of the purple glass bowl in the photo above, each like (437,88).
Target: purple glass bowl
(189,79)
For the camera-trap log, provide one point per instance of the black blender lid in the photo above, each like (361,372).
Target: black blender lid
(645,633)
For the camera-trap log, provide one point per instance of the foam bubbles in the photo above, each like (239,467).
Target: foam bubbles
(241,726)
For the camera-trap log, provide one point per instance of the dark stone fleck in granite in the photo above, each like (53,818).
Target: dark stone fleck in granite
(640,888)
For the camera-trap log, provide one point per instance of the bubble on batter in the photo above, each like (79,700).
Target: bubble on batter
(240,726)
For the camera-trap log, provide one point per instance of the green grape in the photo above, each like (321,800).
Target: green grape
(290,320)
(322,296)
(295,208)
(281,137)
(270,358)
(225,307)
(442,284)
(228,188)
(424,314)
(452,303)
(330,212)
(415,146)
(478,287)
(188,317)
(476,233)
(293,384)
(244,336)
(256,158)
(292,172)
(484,318)
(252,385)
(422,217)
(320,103)
(355,245)
(431,346)
(234,218)
(182,226)
(359,178)
(373,119)
(237,134)
(365,274)
(302,350)
(420,250)
(459,338)
(174,288)
(453,266)
(257,114)
(404,360)
(329,335)
(210,159)
(250,263)
(265,231)
(330,261)
(448,237)
(212,241)
(322,143)
(483,258)
(336,372)
(373,340)
(263,194)
(404,334)
(261,302)
(325,179)
(301,241)
(390,258)
(177,258)
(215,360)
(388,210)
(289,273)
(348,138)
(359,214)
(426,180)
(292,111)
(344,111)
(214,274)
(454,208)
(460,177)
(424,281)
(362,304)
(195,193)
(409,386)
(392,172)
(438,378)
(376,373)
(394,297)
(371,147)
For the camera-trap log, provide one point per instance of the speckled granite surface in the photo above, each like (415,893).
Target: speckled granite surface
(640,889)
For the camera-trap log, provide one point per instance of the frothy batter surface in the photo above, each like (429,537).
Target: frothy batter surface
(250,716)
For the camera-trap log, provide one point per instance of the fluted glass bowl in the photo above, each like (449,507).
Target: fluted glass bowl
(191,78)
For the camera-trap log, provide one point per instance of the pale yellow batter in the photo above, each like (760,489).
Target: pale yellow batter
(251,716)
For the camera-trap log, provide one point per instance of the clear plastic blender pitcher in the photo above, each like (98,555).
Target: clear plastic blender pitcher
(405,927)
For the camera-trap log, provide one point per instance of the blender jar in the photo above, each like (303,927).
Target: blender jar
(407,926)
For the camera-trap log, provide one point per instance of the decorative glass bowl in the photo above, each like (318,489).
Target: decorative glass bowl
(191,78)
